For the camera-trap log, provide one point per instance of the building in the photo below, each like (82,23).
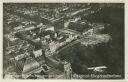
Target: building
(31,66)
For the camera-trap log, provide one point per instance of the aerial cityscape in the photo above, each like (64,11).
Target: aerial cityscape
(63,40)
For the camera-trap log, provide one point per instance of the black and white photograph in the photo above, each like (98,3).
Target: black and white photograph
(63,41)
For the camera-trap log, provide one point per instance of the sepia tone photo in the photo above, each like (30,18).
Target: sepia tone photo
(63,41)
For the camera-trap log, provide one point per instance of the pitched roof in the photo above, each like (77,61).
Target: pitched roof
(31,66)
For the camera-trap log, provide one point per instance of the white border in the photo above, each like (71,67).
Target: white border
(74,1)
(67,1)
